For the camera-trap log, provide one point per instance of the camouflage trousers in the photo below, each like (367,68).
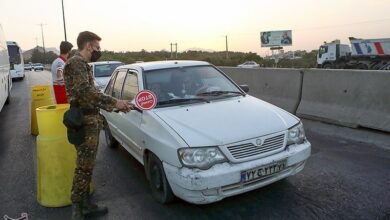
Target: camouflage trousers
(86,156)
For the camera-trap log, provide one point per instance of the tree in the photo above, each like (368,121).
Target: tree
(40,57)
(218,58)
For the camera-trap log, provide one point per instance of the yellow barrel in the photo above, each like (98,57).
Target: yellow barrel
(41,92)
(56,158)
(40,96)
(56,161)
(50,120)
(34,105)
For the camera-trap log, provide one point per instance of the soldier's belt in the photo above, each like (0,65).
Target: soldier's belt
(90,111)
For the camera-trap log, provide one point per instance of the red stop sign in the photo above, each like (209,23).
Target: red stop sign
(146,100)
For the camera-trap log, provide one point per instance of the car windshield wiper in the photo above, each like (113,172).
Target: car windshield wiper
(182,100)
(216,93)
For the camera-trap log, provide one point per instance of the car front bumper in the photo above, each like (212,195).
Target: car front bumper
(224,180)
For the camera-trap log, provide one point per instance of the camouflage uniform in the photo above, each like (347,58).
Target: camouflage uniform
(80,88)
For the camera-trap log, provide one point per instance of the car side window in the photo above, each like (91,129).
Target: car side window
(110,85)
(118,85)
(130,88)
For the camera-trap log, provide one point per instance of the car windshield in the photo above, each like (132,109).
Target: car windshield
(105,70)
(184,85)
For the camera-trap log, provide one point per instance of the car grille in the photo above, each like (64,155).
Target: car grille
(246,150)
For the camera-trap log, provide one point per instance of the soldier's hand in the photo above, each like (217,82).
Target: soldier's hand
(123,106)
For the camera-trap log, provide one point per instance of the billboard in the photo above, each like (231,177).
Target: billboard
(276,38)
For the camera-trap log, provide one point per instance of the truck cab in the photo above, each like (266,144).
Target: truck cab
(329,54)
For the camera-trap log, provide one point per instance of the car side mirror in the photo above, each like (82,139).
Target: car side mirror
(245,88)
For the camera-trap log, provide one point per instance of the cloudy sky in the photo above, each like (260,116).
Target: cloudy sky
(153,24)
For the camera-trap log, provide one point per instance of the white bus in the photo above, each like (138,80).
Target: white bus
(15,60)
(5,78)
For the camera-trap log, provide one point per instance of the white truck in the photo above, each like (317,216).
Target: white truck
(372,54)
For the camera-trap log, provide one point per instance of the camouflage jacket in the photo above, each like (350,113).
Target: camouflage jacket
(79,84)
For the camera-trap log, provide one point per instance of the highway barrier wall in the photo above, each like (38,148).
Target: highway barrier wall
(280,87)
(352,98)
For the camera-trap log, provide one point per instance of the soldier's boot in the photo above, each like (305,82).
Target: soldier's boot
(77,212)
(89,208)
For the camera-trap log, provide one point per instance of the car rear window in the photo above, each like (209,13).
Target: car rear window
(105,70)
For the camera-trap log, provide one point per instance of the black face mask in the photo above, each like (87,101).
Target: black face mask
(96,54)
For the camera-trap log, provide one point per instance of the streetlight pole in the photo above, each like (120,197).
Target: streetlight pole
(63,18)
(227,50)
(43,43)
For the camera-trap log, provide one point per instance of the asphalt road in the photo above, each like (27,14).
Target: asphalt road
(345,177)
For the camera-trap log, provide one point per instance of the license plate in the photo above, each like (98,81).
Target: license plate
(260,172)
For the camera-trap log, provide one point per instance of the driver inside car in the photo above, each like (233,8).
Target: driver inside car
(158,91)
(191,86)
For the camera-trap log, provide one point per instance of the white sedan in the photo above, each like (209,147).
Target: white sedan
(206,139)
(249,64)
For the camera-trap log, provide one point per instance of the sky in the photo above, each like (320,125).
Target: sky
(128,25)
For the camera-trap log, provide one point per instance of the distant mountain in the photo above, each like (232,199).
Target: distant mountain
(27,54)
(199,49)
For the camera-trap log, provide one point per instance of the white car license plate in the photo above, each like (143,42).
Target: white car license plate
(260,172)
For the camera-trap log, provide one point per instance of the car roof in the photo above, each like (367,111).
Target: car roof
(164,64)
(105,62)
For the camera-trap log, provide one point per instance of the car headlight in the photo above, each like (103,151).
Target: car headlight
(296,134)
(202,157)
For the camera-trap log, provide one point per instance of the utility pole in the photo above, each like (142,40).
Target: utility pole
(36,42)
(43,42)
(176,49)
(227,50)
(63,18)
(171,51)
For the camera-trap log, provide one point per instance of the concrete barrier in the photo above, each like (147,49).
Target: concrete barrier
(350,98)
(281,87)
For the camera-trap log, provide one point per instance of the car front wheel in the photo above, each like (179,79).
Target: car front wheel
(161,190)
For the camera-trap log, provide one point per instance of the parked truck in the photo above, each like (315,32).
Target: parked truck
(368,54)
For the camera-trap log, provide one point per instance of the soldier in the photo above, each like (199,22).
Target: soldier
(81,92)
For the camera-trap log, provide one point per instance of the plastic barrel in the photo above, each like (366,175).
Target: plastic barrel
(40,92)
(40,96)
(56,158)
(34,105)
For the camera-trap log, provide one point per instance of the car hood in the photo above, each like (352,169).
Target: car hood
(226,121)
